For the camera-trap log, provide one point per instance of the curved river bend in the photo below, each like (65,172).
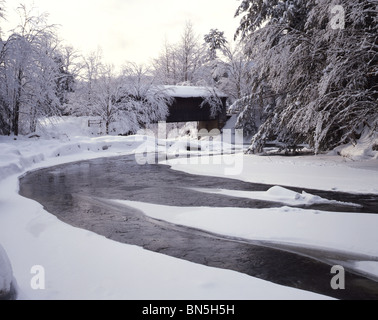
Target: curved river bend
(74,193)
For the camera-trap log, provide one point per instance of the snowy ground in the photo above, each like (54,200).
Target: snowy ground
(81,265)
(323,172)
(355,234)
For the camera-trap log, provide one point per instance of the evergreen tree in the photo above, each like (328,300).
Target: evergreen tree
(215,40)
(65,82)
(315,70)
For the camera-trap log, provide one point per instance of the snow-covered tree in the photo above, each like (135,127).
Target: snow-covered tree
(46,90)
(144,97)
(71,88)
(4,125)
(215,40)
(181,63)
(130,100)
(92,67)
(315,69)
(165,65)
(28,73)
(68,71)
(86,71)
(189,55)
(233,71)
(229,67)
(107,92)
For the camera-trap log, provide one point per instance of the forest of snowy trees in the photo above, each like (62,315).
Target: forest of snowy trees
(40,78)
(315,72)
(300,71)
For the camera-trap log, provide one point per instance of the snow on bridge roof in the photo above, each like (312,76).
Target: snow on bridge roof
(193,92)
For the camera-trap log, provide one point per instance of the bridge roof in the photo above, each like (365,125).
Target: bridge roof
(193,92)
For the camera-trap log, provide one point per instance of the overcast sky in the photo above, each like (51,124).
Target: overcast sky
(130,30)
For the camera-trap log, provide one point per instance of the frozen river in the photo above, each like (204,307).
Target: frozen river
(78,194)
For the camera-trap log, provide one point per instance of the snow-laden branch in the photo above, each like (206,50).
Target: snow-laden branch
(321,81)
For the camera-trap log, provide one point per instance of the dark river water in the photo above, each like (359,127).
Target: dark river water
(75,193)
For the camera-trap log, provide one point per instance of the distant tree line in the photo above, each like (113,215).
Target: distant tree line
(209,61)
(40,77)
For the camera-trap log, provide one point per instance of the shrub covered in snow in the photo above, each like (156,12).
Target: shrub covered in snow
(365,148)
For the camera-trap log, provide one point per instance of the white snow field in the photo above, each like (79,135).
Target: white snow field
(79,264)
(276,194)
(355,234)
(322,172)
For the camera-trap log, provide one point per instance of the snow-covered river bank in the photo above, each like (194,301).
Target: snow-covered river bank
(85,195)
(70,256)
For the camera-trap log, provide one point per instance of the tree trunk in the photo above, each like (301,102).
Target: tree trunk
(16,114)
(16,111)
(33,120)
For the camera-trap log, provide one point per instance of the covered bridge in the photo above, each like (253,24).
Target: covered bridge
(190,105)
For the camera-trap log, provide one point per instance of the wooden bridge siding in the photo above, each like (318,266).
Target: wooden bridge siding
(189,109)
